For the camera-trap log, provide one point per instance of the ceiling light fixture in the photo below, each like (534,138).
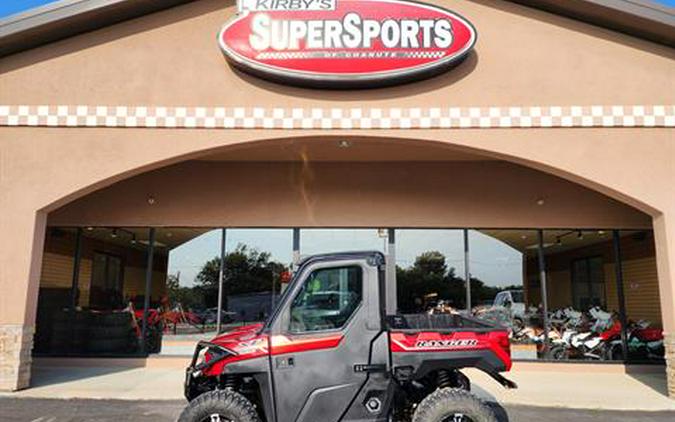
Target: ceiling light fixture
(580,235)
(114,234)
(344,144)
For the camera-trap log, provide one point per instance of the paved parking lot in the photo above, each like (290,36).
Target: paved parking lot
(46,410)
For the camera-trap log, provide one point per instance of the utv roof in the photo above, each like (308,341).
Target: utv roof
(376,256)
(64,18)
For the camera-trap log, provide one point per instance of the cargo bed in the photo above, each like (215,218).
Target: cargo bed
(438,323)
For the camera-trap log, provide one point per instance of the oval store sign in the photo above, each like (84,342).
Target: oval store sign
(345,43)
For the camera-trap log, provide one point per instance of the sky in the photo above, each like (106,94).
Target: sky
(10,7)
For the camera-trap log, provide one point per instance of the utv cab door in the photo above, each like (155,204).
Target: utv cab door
(322,332)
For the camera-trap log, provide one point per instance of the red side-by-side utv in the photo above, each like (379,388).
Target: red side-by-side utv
(329,352)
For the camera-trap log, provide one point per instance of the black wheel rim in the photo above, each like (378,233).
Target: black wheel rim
(458,417)
(216,417)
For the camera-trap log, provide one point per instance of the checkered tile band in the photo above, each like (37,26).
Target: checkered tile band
(338,118)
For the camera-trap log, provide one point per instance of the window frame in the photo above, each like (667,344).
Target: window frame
(286,318)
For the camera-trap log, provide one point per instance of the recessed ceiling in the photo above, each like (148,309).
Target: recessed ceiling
(348,149)
(555,241)
(138,237)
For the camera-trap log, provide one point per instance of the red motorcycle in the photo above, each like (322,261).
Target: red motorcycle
(644,342)
(154,328)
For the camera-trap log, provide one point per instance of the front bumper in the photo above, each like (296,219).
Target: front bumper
(194,374)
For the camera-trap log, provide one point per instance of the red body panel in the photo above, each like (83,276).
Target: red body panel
(426,342)
(649,334)
(247,343)
(282,344)
(642,334)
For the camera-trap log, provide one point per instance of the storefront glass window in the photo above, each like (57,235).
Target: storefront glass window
(588,282)
(192,281)
(506,286)
(256,261)
(92,296)
(318,241)
(90,290)
(583,302)
(430,271)
(642,301)
(106,281)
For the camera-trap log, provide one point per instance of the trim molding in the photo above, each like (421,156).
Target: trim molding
(69,116)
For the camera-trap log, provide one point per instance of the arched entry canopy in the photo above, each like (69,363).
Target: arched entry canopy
(452,214)
(345,182)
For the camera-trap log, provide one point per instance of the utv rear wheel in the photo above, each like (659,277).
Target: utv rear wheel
(453,405)
(220,406)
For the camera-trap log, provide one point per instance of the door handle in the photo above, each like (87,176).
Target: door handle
(364,367)
(285,362)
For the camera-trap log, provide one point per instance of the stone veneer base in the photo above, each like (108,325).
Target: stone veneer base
(16,345)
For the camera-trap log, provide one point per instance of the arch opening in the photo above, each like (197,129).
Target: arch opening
(424,204)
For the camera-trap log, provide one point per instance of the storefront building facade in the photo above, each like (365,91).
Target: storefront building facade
(553,136)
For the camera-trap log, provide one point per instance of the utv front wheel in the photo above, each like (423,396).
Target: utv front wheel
(453,405)
(220,406)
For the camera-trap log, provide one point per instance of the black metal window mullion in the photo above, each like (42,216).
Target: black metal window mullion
(77,260)
(296,245)
(543,288)
(148,290)
(618,271)
(75,288)
(221,279)
(467,271)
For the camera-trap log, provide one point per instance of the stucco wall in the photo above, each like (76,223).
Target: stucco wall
(523,57)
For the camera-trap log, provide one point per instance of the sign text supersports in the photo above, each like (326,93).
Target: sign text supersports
(345,43)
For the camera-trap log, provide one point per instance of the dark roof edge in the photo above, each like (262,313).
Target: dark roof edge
(65,18)
(638,18)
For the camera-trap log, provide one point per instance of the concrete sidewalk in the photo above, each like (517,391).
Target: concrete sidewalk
(578,390)
(587,387)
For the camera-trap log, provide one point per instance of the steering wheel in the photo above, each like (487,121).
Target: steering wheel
(296,323)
